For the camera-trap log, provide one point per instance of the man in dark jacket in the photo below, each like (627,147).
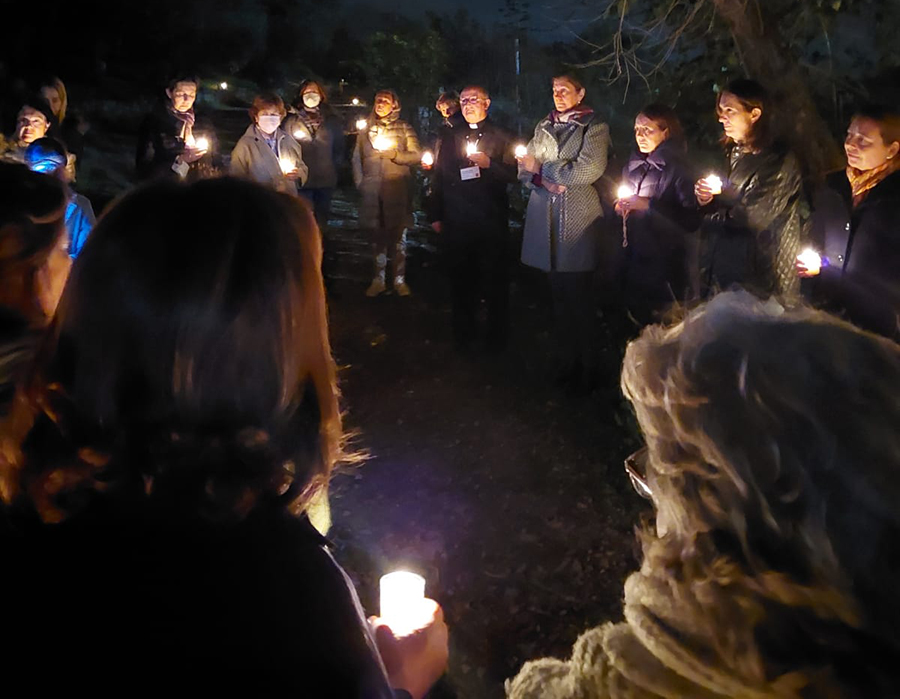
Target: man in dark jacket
(470,206)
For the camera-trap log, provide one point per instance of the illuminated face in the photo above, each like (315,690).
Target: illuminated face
(648,134)
(269,119)
(183,96)
(384,104)
(475,105)
(566,95)
(735,119)
(31,125)
(447,109)
(51,94)
(865,146)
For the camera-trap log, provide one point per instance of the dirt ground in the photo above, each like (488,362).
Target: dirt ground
(506,492)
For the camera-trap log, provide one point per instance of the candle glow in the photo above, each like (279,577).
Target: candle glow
(301,135)
(223,85)
(625,191)
(810,259)
(471,148)
(361,124)
(427,158)
(402,597)
(286,164)
(381,142)
(202,143)
(355,101)
(714,182)
(521,151)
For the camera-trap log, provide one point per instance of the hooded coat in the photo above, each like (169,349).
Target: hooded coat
(385,183)
(254,159)
(752,231)
(562,230)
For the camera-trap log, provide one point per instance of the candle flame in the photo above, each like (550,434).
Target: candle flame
(223,85)
(301,135)
(286,164)
(382,143)
(471,148)
(202,143)
(714,182)
(427,158)
(361,124)
(810,259)
(521,151)
(625,191)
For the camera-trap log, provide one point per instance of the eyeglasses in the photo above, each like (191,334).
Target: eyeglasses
(636,468)
(471,100)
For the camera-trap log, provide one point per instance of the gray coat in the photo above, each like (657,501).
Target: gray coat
(252,158)
(562,230)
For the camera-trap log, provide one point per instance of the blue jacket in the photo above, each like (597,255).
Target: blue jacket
(80,221)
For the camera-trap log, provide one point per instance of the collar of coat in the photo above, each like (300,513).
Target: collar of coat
(580,114)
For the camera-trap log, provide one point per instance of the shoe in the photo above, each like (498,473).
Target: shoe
(376,287)
(401,289)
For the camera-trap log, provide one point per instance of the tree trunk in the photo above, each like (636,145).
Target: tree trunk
(767,60)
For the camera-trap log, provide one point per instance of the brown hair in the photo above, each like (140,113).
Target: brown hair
(887,118)
(195,370)
(774,461)
(303,88)
(666,119)
(752,95)
(58,85)
(32,220)
(572,78)
(267,100)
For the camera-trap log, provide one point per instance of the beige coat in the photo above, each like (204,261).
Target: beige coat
(253,159)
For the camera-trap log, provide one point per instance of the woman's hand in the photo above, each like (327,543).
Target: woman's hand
(388,154)
(191,155)
(529,163)
(555,188)
(417,661)
(632,203)
(703,192)
(808,264)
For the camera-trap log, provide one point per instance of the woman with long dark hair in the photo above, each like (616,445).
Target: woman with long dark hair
(161,464)
(752,228)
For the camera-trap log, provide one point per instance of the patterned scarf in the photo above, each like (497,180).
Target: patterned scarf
(862,181)
(312,118)
(187,122)
(576,113)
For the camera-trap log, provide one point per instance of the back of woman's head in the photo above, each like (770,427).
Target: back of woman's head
(32,221)
(191,355)
(775,465)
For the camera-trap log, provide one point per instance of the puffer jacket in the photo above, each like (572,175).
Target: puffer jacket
(861,280)
(252,158)
(384,183)
(562,230)
(753,231)
(323,147)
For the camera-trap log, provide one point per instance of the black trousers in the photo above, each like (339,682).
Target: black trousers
(478,268)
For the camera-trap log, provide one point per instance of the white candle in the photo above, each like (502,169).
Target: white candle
(202,143)
(286,164)
(810,259)
(427,158)
(714,182)
(521,151)
(402,597)
(471,148)
(361,124)
(625,191)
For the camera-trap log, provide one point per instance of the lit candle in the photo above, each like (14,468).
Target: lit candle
(427,159)
(471,148)
(714,182)
(202,143)
(301,135)
(355,101)
(381,142)
(402,597)
(521,151)
(625,191)
(361,124)
(286,164)
(810,259)
(223,85)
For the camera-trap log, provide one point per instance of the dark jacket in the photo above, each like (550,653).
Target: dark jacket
(752,231)
(862,247)
(475,207)
(136,592)
(654,262)
(160,142)
(323,147)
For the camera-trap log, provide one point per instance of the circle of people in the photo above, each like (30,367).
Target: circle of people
(155,463)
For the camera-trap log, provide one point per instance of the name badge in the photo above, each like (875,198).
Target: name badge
(469,173)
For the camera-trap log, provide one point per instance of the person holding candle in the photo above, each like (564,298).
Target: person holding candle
(857,214)
(169,137)
(659,213)
(771,460)
(470,209)
(564,159)
(266,153)
(752,227)
(385,150)
(162,461)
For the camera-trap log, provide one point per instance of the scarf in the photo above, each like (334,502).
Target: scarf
(312,118)
(862,181)
(576,113)
(187,122)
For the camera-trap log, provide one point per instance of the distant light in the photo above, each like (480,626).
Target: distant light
(355,101)
(223,85)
